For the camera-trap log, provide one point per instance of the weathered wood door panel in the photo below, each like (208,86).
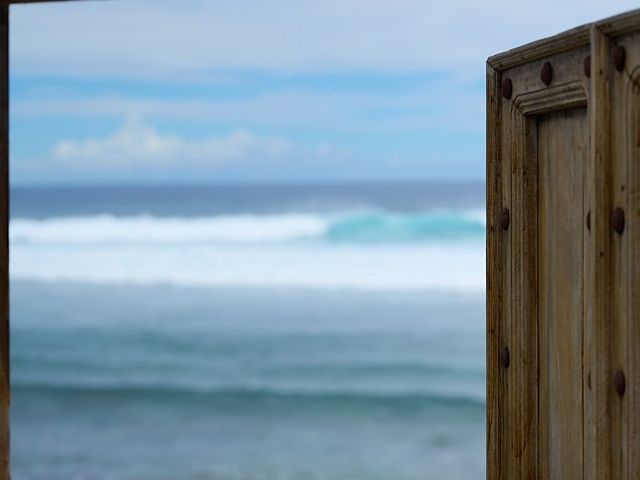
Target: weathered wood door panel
(563,244)
(563,139)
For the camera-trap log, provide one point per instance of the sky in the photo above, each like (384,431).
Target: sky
(212,91)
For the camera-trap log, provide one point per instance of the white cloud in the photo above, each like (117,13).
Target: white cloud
(138,144)
(218,42)
(137,152)
(198,39)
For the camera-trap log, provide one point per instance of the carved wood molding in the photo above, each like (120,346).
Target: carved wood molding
(530,52)
(571,39)
(559,97)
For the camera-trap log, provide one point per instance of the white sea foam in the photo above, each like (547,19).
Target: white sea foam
(146,229)
(441,267)
(288,251)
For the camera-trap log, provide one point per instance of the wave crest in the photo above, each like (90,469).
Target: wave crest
(359,227)
(371,251)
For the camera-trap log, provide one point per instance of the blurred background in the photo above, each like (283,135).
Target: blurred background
(247,238)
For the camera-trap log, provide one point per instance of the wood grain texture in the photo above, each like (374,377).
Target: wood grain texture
(539,49)
(624,191)
(598,386)
(565,41)
(586,281)
(495,264)
(618,327)
(522,386)
(632,121)
(619,24)
(513,392)
(505,403)
(563,145)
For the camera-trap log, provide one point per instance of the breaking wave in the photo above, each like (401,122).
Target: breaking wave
(438,250)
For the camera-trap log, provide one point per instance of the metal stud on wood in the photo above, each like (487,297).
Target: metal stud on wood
(618,221)
(620,383)
(546,74)
(507,88)
(587,66)
(505,219)
(619,55)
(505,357)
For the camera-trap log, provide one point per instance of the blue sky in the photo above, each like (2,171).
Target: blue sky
(202,91)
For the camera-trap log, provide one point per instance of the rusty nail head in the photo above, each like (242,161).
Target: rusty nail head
(546,74)
(619,383)
(619,57)
(507,88)
(505,357)
(587,66)
(617,220)
(505,219)
(589,220)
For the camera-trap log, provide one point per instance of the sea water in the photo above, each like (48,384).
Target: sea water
(248,332)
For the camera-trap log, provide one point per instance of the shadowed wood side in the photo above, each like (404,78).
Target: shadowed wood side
(494,264)
(504,388)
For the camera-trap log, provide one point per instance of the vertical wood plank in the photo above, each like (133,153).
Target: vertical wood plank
(624,309)
(618,255)
(598,281)
(563,139)
(523,375)
(588,265)
(494,267)
(506,402)
(633,239)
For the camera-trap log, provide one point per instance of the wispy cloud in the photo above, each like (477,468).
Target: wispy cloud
(303,90)
(138,144)
(138,151)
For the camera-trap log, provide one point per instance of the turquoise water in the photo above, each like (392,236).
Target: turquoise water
(321,333)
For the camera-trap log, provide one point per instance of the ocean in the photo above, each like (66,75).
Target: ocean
(239,332)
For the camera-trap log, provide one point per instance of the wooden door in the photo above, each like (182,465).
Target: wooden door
(563,244)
